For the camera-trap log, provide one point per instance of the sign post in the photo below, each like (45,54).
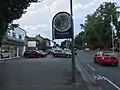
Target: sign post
(73,52)
(63,28)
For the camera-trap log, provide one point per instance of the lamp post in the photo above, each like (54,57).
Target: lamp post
(113,27)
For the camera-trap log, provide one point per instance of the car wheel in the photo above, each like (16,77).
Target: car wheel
(42,56)
(75,53)
(95,61)
(68,56)
(116,64)
(1,56)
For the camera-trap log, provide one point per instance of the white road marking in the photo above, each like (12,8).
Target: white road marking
(82,60)
(91,67)
(112,83)
(98,77)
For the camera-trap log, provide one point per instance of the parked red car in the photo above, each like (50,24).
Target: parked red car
(104,58)
(33,53)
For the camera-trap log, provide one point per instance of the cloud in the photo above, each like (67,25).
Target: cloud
(77,6)
(35,30)
(39,16)
(38,26)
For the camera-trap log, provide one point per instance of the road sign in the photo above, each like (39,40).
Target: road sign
(61,26)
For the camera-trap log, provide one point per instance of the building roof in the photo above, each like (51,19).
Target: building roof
(47,39)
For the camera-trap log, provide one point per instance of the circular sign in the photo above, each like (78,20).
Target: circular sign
(62,21)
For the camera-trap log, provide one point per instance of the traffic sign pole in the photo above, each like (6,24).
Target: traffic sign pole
(73,52)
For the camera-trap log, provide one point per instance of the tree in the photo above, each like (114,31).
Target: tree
(11,10)
(43,45)
(79,40)
(66,44)
(97,29)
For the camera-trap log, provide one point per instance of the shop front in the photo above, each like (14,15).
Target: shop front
(12,49)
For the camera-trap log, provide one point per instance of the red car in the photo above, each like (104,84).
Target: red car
(33,53)
(104,58)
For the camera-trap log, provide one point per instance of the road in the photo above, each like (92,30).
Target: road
(107,77)
(38,74)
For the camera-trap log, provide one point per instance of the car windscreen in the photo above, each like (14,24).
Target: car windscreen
(108,54)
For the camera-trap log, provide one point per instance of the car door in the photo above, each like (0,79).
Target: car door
(57,52)
(61,53)
(33,53)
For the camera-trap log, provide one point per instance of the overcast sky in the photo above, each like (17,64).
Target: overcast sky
(39,16)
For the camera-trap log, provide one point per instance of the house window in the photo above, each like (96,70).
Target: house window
(20,36)
(13,34)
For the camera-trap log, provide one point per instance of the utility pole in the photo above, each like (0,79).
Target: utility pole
(73,54)
(112,26)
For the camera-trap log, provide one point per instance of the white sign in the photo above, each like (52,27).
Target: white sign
(31,43)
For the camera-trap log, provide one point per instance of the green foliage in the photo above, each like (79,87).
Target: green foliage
(11,10)
(79,40)
(97,29)
(66,44)
(42,45)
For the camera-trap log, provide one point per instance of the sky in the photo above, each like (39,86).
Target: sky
(38,18)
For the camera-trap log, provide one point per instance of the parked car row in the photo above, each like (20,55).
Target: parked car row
(54,52)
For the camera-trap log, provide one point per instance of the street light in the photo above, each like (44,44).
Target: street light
(113,28)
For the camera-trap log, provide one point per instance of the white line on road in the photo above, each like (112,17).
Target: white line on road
(112,83)
(82,60)
(91,67)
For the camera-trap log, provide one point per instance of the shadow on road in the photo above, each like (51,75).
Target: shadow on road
(3,75)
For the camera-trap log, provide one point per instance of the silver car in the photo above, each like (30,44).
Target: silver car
(61,53)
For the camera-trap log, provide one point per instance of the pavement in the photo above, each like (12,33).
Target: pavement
(40,74)
(105,77)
